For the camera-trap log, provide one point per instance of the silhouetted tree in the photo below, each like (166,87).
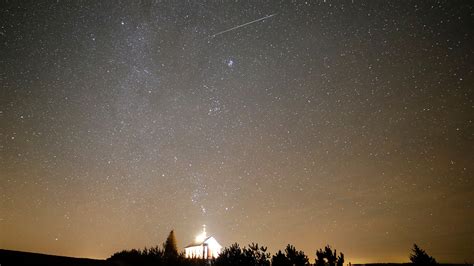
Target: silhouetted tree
(230,256)
(297,258)
(280,259)
(292,257)
(194,262)
(253,255)
(156,256)
(152,256)
(329,258)
(320,258)
(420,257)
(170,247)
(256,255)
(340,259)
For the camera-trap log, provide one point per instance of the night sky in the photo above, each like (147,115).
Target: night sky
(322,122)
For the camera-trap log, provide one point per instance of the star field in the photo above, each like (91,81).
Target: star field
(330,122)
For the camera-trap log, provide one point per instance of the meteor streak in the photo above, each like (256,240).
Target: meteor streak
(242,25)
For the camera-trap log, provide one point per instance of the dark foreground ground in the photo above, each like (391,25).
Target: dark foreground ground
(409,264)
(19,258)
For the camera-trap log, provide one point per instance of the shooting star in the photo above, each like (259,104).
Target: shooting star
(243,25)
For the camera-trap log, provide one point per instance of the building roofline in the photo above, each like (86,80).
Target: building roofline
(197,244)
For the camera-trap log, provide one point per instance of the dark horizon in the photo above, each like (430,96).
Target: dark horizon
(346,123)
(33,257)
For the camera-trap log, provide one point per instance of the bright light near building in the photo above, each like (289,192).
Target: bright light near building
(201,237)
(204,247)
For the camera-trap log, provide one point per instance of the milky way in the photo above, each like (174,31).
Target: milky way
(332,122)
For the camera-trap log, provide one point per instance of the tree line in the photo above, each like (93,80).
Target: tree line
(234,255)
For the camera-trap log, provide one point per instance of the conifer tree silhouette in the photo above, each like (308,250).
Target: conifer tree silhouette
(420,257)
(170,246)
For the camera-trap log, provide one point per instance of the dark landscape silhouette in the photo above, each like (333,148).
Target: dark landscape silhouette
(233,255)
